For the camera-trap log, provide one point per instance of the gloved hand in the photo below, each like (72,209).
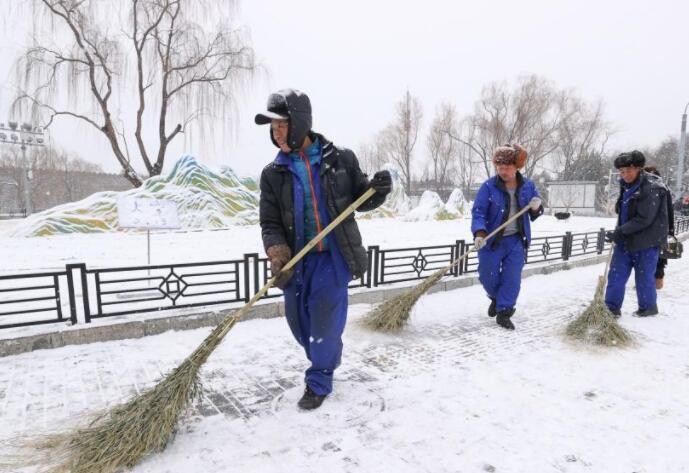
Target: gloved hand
(382,182)
(535,204)
(614,236)
(279,255)
(480,239)
(479,242)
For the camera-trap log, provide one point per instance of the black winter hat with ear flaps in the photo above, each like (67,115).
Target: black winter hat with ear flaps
(632,158)
(291,105)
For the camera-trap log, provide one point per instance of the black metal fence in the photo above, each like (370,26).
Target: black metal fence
(12,213)
(85,293)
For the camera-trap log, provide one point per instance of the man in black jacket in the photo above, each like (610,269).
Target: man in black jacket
(642,227)
(309,183)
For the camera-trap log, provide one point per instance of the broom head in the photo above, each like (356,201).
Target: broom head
(596,325)
(393,314)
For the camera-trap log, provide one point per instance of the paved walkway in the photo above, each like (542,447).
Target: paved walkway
(256,374)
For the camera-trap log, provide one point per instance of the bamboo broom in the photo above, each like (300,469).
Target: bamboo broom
(124,435)
(596,325)
(393,314)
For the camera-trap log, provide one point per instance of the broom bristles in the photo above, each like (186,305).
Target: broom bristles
(596,325)
(393,314)
(125,434)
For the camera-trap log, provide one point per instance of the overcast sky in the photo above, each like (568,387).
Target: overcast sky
(356,58)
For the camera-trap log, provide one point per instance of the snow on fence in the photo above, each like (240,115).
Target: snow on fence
(80,294)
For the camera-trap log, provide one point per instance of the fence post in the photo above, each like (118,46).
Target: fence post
(600,242)
(369,258)
(373,276)
(380,267)
(248,258)
(257,282)
(85,293)
(567,246)
(465,263)
(70,289)
(81,268)
(459,251)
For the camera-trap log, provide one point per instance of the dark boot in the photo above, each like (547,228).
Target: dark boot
(616,313)
(310,400)
(647,312)
(491,308)
(503,319)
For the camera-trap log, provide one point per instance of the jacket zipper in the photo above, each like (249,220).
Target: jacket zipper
(520,228)
(314,198)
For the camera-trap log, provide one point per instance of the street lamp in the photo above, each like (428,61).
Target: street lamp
(680,158)
(23,135)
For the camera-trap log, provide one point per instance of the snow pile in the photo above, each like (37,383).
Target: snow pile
(456,205)
(430,207)
(204,198)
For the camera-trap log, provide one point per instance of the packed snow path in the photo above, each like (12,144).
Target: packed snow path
(451,393)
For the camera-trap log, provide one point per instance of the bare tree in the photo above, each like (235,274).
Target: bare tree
(183,69)
(399,138)
(372,156)
(11,182)
(56,176)
(442,148)
(582,137)
(530,115)
(465,163)
(664,158)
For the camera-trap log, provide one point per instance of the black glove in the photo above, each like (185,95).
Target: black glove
(614,236)
(382,182)
(279,255)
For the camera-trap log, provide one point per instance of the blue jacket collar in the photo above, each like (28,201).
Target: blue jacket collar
(283,159)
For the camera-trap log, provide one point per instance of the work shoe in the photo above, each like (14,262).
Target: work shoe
(491,308)
(616,313)
(647,312)
(310,400)
(503,318)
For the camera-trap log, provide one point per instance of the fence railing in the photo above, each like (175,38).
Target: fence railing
(12,213)
(85,293)
(33,299)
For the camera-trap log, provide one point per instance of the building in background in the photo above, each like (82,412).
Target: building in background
(577,197)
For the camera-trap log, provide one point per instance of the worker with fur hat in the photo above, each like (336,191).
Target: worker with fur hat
(642,228)
(502,258)
(308,184)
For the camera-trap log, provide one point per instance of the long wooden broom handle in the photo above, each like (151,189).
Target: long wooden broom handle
(490,235)
(323,233)
(607,261)
(228,322)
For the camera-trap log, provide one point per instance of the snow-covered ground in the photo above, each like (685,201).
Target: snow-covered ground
(451,393)
(121,249)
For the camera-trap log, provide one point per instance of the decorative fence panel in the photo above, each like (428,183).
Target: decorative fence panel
(80,293)
(121,291)
(33,299)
